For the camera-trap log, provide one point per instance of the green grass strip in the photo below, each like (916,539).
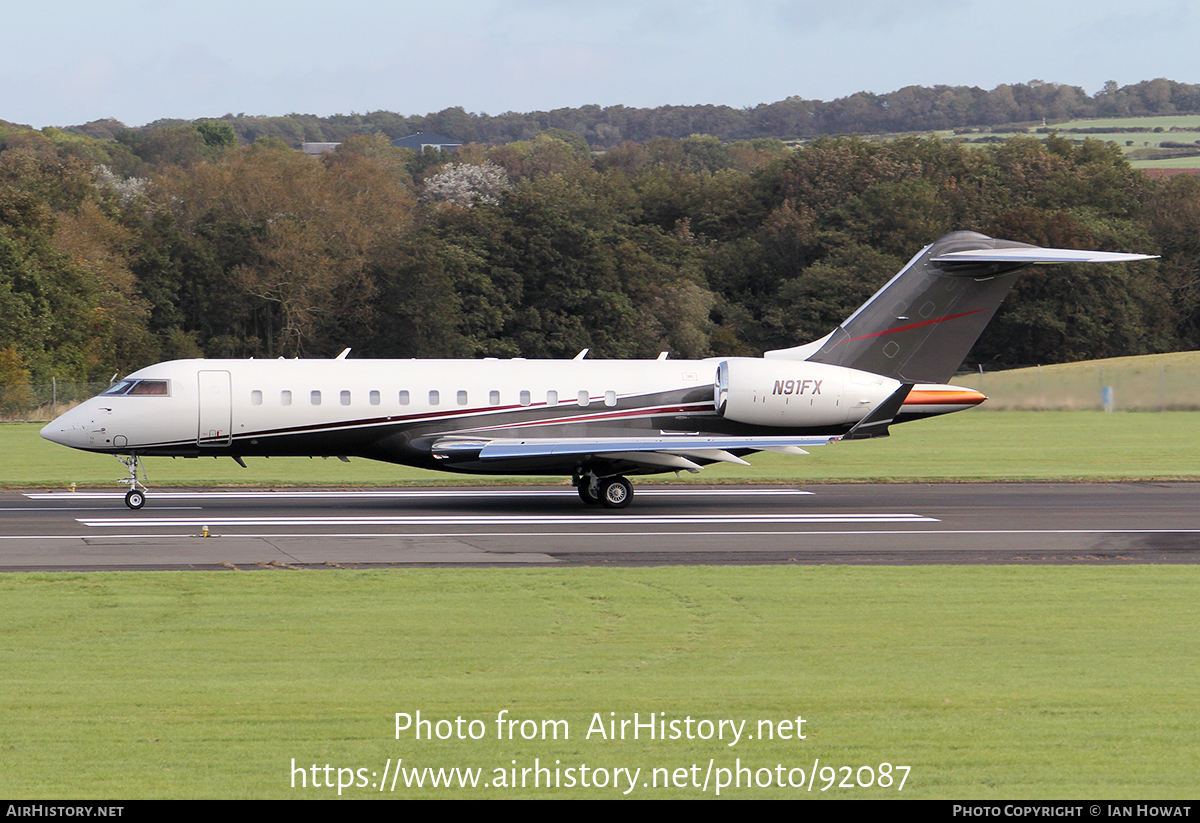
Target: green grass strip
(972,445)
(989,682)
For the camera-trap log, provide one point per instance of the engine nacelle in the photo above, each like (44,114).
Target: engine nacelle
(796,393)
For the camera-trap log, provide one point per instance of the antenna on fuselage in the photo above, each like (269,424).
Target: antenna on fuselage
(342,356)
(581,355)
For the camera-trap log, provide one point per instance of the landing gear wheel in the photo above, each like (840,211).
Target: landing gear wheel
(587,492)
(616,493)
(135,498)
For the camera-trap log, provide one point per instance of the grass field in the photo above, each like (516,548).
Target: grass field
(1165,122)
(1173,163)
(1151,382)
(975,445)
(985,682)
(1120,135)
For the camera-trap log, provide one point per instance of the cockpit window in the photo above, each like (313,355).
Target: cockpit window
(160,388)
(157,387)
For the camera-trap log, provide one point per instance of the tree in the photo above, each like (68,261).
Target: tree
(216,134)
(464,184)
(16,395)
(294,235)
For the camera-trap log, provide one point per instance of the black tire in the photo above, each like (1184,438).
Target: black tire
(134,499)
(616,493)
(585,492)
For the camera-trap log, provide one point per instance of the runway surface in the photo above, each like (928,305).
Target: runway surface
(889,524)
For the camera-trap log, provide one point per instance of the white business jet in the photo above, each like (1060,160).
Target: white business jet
(597,421)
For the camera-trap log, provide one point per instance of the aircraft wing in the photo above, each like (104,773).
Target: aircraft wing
(666,452)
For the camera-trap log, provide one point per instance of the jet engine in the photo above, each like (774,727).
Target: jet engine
(796,393)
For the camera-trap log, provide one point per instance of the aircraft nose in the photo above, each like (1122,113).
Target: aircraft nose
(61,433)
(70,428)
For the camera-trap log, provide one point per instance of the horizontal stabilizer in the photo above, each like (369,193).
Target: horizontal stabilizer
(1033,255)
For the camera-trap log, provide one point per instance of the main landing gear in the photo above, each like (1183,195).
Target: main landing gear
(614,492)
(135,498)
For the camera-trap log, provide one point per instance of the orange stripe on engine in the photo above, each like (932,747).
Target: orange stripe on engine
(958,397)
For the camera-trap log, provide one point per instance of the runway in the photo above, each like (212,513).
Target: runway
(886,524)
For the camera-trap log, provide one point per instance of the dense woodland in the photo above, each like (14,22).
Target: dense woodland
(914,108)
(118,253)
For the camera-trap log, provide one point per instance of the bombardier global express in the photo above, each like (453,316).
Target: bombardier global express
(596,421)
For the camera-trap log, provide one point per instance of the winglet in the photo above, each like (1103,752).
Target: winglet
(876,423)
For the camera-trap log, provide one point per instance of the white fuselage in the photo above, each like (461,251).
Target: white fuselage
(395,410)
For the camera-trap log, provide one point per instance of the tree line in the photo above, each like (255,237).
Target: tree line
(913,108)
(542,247)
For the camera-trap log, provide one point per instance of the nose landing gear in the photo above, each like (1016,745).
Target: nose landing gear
(135,498)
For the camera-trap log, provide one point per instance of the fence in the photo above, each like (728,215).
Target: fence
(42,402)
(1169,382)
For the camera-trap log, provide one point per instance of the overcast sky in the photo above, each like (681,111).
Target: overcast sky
(74,61)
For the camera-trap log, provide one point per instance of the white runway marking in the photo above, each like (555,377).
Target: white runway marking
(655,534)
(408,493)
(506,519)
(89,508)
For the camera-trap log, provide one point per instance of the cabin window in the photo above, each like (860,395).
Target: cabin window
(345,397)
(610,398)
(551,398)
(285,398)
(434,398)
(525,399)
(494,397)
(462,398)
(374,398)
(315,397)
(584,398)
(256,398)
(404,398)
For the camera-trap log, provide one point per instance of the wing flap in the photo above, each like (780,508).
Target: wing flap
(785,450)
(713,455)
(655,459)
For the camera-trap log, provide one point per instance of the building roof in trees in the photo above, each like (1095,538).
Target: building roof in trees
(417,142)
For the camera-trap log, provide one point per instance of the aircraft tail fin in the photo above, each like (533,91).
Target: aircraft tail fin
(919,327)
